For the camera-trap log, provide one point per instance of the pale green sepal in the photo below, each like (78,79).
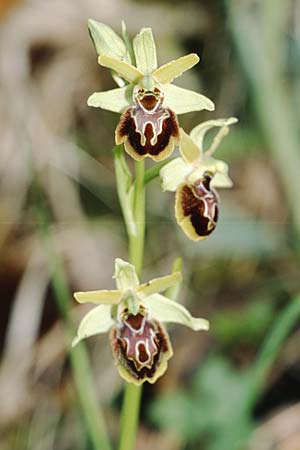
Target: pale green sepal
(106,40)
(125,70)
(125,189)
(96,321)
(115,100)
(182,101)
(159,284)
(188,149)
(112,297)
(168,72)
(125,275)
(174,173)
(221,180)
(198,133)
(145,51)
(128,42)
(165,310)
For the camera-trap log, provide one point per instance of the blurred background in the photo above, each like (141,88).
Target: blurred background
(234,388)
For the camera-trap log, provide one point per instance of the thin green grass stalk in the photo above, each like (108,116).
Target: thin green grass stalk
(78,356)
(173,291)
(132,394)
(256,377)
(270,349)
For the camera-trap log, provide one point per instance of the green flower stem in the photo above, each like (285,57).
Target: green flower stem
(130,416)
(78,356)
(153,172)
(136,242)
(132,394)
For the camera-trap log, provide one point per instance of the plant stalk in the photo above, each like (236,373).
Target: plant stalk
(133,393)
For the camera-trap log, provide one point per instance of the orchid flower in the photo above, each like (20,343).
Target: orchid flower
(194,177)
(148,102)
(133,313)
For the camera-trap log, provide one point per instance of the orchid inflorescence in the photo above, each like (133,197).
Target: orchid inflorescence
(148,127)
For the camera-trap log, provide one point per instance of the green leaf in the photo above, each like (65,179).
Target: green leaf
(125,275)
(105,40)
(145,51)
(115,100)
(166,310)
(168,72)
(182,101)
(96,321)
(124,188)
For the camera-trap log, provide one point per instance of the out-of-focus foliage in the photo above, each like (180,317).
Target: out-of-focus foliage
(208,410)
(242,278)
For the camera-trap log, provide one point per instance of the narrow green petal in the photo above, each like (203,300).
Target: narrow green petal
(174,173)
(168,72)
(125,275)
(125,70)
(104,297)
(182,101)
(96,321)
(198,133)
(115,100)
(145,51)
(166,310)
(159,284)
(188,149)
(106,40)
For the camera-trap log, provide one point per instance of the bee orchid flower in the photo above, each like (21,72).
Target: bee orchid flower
(194,177)
(149,102)
(133,314)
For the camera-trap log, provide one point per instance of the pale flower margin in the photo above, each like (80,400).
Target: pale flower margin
(133,314)
(149,102)
(194,176)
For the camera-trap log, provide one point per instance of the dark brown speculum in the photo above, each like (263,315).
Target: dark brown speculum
(199,202)
(139,345)
(148,128)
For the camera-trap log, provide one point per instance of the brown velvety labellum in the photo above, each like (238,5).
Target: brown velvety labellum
(139,345)
(200,203)
(148,128)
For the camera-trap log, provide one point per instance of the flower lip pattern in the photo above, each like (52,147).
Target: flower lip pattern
(148,128)
(194,177)
(133,314)
(149,103)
